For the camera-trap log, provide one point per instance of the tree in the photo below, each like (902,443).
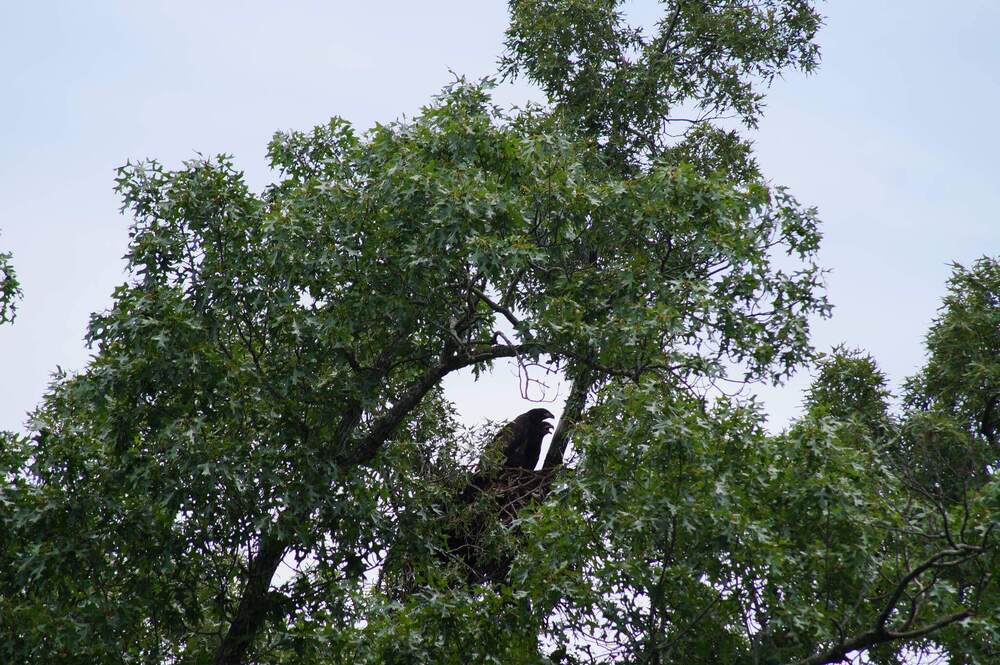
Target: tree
(962,376)
(262,421)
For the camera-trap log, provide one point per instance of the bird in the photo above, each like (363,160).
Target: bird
(519,443)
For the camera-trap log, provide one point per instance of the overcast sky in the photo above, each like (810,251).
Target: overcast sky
(892,139)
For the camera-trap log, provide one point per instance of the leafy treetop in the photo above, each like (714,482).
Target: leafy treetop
(262,420)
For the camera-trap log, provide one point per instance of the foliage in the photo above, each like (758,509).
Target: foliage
(962,376)
(259,463)
(953,434)
(849,385)
(10,289)
(625,84)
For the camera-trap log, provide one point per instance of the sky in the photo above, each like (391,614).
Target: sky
(891,139)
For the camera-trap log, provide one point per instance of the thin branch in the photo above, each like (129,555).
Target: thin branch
(497,307)
(867,640)
(932,562)
(880,634)
(668,34)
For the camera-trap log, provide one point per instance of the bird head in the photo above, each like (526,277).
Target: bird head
(539,418)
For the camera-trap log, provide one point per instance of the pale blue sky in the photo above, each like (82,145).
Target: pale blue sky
(892,139)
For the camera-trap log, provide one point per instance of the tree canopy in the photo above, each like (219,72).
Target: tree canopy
(259,463)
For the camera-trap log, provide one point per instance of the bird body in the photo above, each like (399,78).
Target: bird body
(520,440)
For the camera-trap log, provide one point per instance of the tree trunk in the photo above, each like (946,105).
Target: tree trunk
(254,604)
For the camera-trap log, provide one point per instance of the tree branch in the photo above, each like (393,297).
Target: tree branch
(254,604)
(575,404)
(497,307)
(383,427)
(868,639)
(880,634)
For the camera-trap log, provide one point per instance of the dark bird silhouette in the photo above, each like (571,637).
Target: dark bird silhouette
(522,439)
